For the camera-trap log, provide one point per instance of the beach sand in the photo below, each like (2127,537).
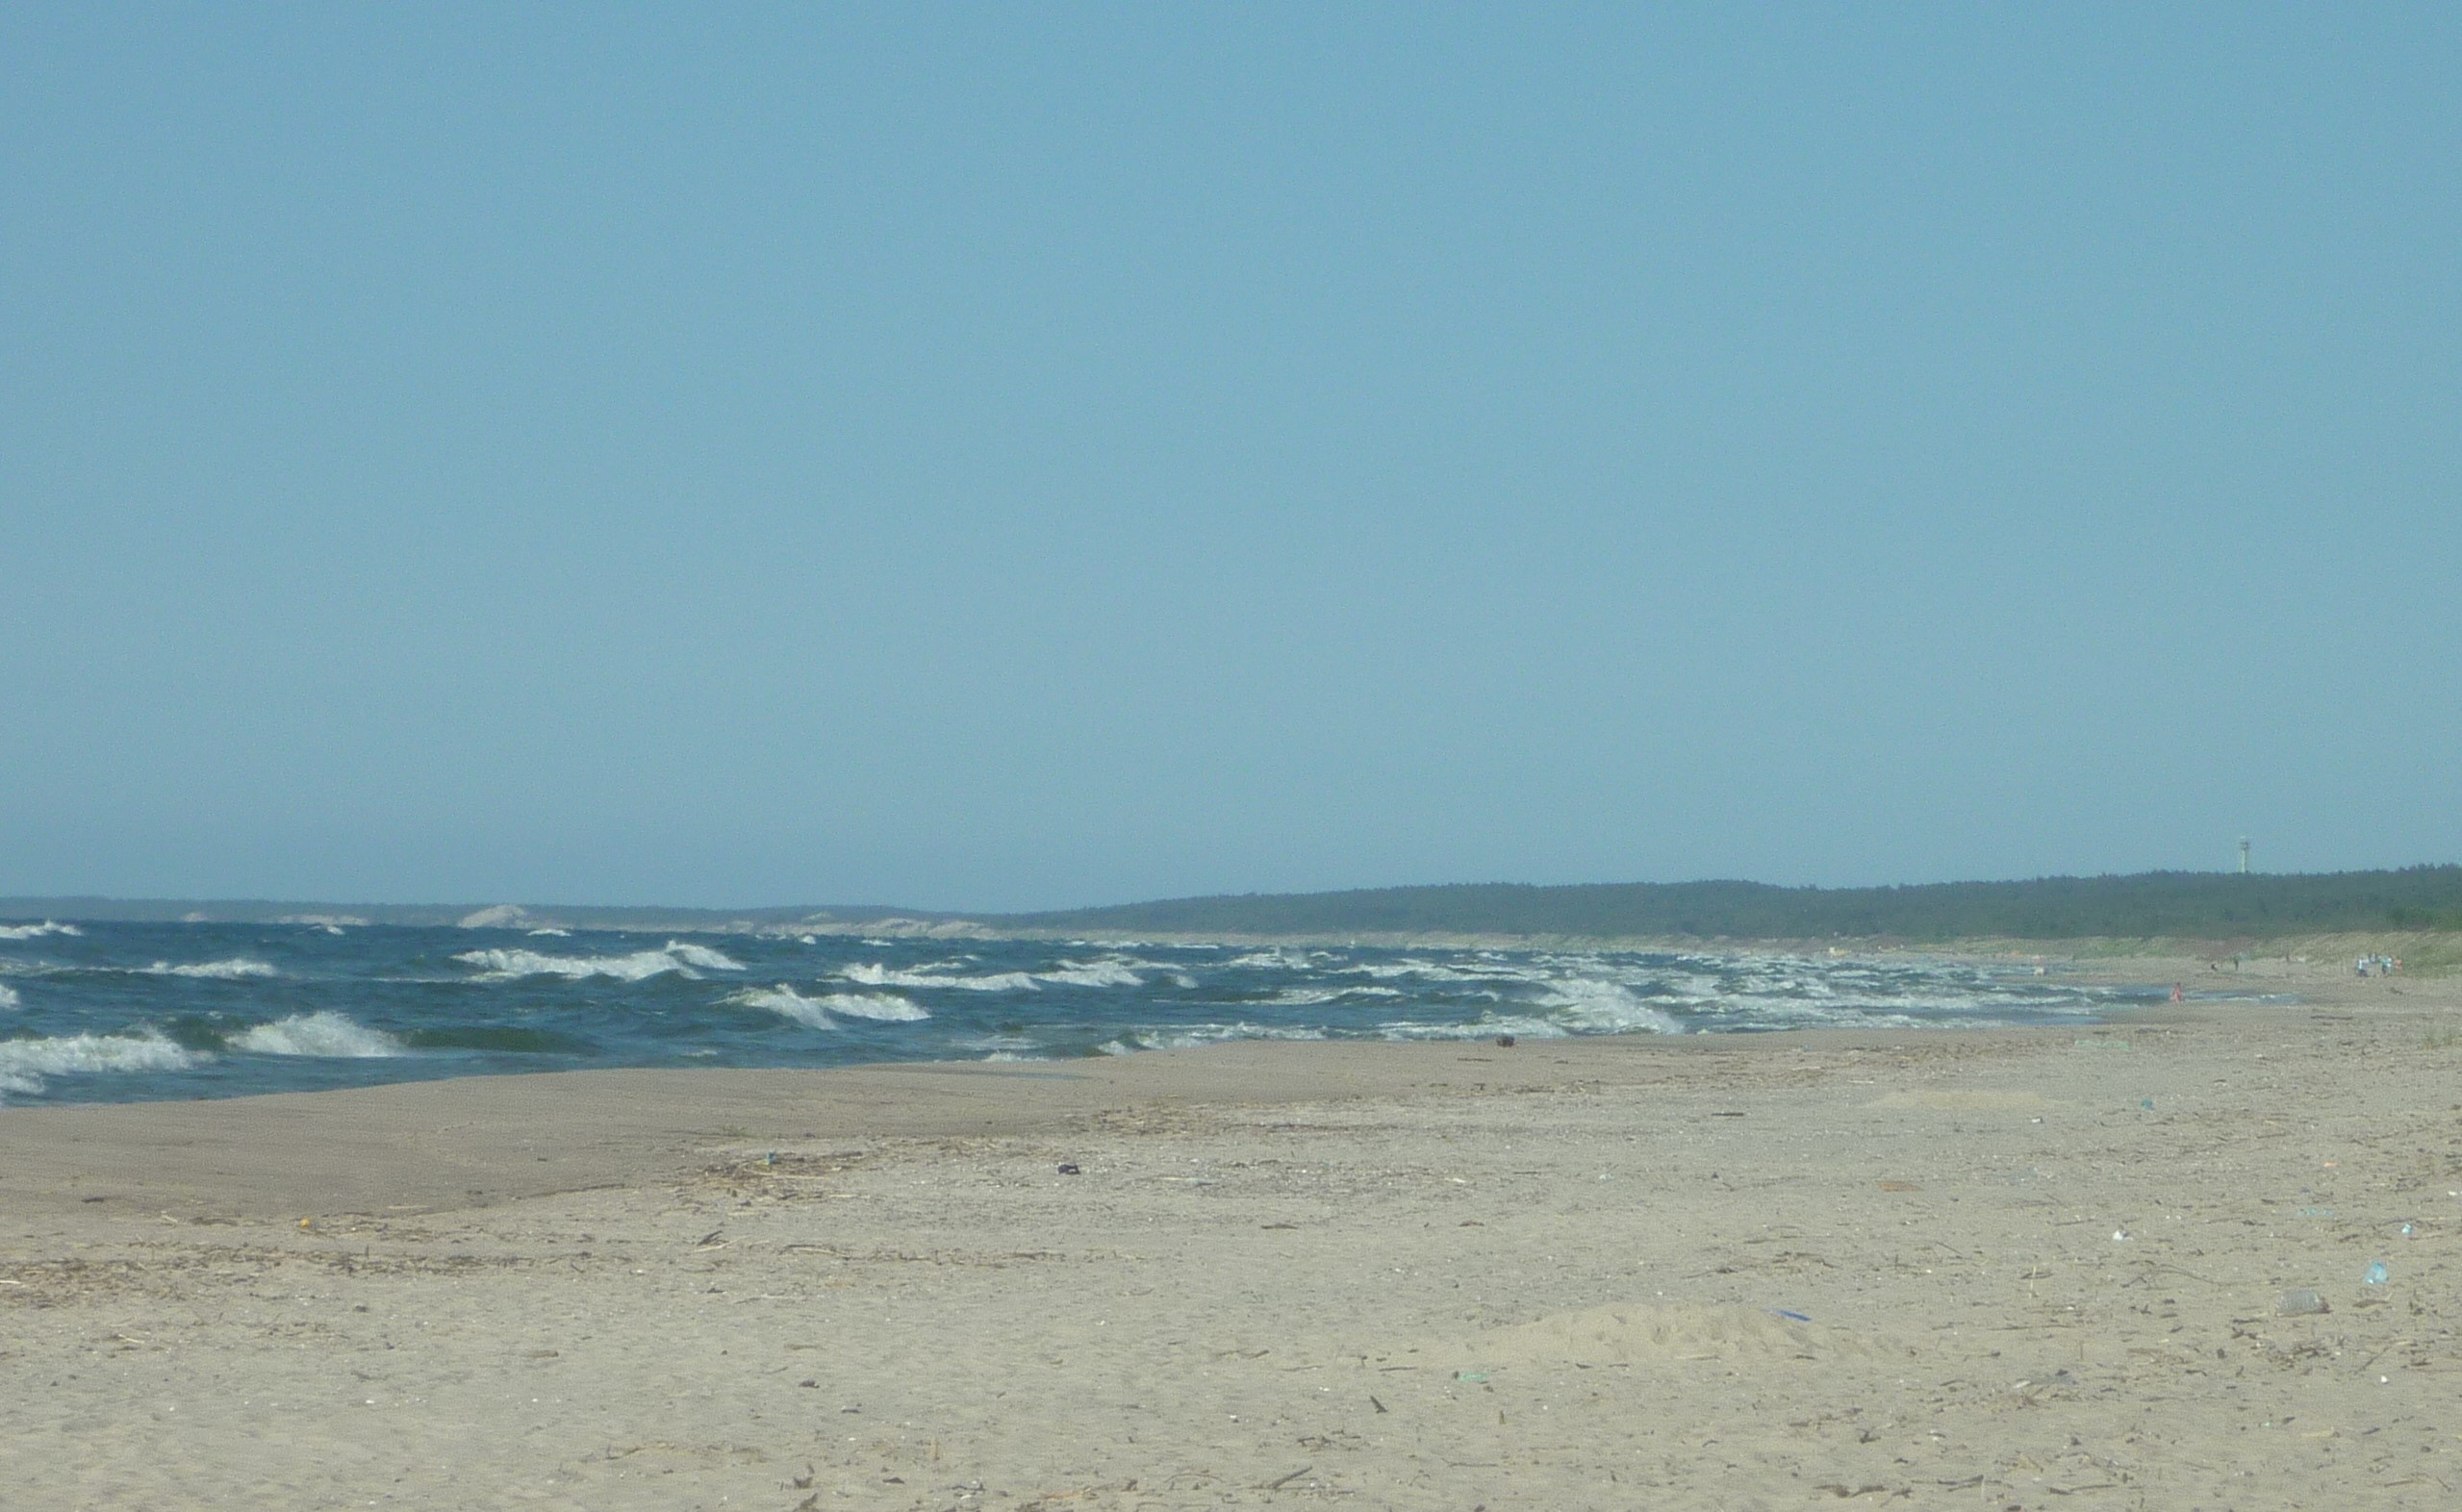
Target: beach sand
(1973,1269)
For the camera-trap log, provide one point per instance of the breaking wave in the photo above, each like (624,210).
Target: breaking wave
(823,1012)
(322,1034)
(238,968)
(1093,974)
(36,931)
(509,964)
(8,996)
(881,1007)
(702,956)
(873,974)
(1190,1036)
(24,1064)
(1605,1008)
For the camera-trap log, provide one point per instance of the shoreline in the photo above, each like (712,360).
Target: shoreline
(1942,1267)
(449,1142)
(439,1143)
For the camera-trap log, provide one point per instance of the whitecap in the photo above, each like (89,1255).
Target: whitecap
(823,1013)
(1588,1003)
(873,974)
(1486,1027)
(880,1007)
(1093,974)
(36,931)
(640,966)
(8,996)
(1270,960)
(1310,996)
(1196,1036)
(235,969)
(506,964)
(326,1035)
(786,1002)
(1427,970)
(548,933)
(25,1063)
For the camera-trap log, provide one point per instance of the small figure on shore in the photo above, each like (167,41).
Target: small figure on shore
(2177,995)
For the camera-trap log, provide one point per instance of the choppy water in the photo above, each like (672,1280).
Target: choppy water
(115,1011)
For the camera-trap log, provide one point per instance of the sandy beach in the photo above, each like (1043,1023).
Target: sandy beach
(1948,1269)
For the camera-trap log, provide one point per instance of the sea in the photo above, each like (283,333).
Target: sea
(135,1012)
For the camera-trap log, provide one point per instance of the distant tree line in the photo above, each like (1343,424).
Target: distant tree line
(2199,905)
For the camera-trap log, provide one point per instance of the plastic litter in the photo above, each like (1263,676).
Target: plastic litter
(2300,1301)
(1069,1167)
(2376,1272)
(1781,1312)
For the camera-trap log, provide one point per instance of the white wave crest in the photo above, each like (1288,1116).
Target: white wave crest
(508,965)
(8,996)
(1597,1006)
(881,1007)
(1276,959)
(871,974)
(36,931)
(823,1012)
(329,1035)
(25,1063)
(1488,1026)
(1310,996)
(787,1003)
(1198,1035)
(1428,970)
(1093,974)
(235,969)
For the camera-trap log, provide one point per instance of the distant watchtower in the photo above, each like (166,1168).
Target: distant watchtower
(2244,855)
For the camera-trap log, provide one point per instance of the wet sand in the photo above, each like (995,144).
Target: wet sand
(1953,1268)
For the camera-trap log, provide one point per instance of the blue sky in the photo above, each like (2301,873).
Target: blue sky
(1006,457)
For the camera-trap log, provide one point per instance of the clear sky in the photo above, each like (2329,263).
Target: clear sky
(1005,456)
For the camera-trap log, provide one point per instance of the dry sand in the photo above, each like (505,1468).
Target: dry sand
(1969,1270)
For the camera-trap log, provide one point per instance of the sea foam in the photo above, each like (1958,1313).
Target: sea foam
(8,996)
(322,1034)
